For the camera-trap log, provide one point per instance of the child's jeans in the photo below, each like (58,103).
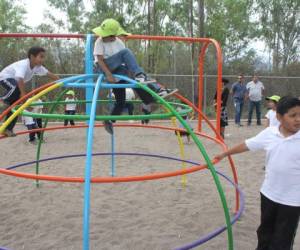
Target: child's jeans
(69,112)
(123,61)
(32,134)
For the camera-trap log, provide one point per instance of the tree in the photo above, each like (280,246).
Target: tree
(280,29)
(11,18)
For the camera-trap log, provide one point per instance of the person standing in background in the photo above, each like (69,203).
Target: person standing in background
(255,90)
(239,92)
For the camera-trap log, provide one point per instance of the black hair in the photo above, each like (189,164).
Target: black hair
(286,103)
(35,51)
(225,81)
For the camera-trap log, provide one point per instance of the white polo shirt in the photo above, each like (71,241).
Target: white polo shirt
(70,106)
(130,94)
(21,70)
(107,49)
(271,115)
(282,176)
(255,90)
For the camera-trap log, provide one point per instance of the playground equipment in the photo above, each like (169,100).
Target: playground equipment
(93,83)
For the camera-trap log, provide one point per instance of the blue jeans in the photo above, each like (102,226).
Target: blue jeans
(122,63)
(258,112)
(238,106)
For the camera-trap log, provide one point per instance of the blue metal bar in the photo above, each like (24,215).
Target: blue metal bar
(88,70)
(88,166)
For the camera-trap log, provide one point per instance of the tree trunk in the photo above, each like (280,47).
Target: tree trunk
(201,18)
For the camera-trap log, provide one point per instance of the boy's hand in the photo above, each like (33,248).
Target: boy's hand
(110,78)
(220,156)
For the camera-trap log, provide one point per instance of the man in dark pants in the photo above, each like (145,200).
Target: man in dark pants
(239,91)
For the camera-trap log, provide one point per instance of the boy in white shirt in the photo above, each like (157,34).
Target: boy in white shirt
(70,107)
(271,114)
(280,191)
(14,77)
(112,57)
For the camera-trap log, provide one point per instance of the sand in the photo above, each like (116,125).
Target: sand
(160,214)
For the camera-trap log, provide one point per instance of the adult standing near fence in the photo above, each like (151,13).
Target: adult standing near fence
(239,92)
(255,90)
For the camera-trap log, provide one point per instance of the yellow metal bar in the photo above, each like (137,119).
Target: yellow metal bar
(26,104)
(182,154)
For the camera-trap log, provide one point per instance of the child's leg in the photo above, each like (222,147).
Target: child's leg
(125,56)
(34,126)
(188,137)
(144,96)
(129,107)
(287,220)
(39,122)
(66,120)
(72,112)
(9,101)
(222,132)
(146,112)
(267,223)
(32,134)
(120,96)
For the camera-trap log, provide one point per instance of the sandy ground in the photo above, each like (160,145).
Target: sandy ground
(160,214)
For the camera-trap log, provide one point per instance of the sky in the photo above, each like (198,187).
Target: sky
(35,10)
(34,18)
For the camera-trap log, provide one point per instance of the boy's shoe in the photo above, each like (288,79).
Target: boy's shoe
(33,142)
(9,133)
(108,127)
(143,78)
(166,92)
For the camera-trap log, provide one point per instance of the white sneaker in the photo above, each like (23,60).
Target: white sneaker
(166,92)
(143,78)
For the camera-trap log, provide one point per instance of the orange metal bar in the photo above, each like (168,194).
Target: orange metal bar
(200,83)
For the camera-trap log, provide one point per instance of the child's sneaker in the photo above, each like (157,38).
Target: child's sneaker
(143,78)
(108,127)
(33,142)
(166,92)
(9,133)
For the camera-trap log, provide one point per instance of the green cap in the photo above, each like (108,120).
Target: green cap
(70,92)
(122,32)
(109,27)
(274,98)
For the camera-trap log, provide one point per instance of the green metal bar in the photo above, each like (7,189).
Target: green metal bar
(207,159)
(38,153)
(106,117)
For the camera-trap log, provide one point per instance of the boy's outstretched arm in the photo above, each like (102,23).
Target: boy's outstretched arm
(105,69)
(52,76)
(235,150)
